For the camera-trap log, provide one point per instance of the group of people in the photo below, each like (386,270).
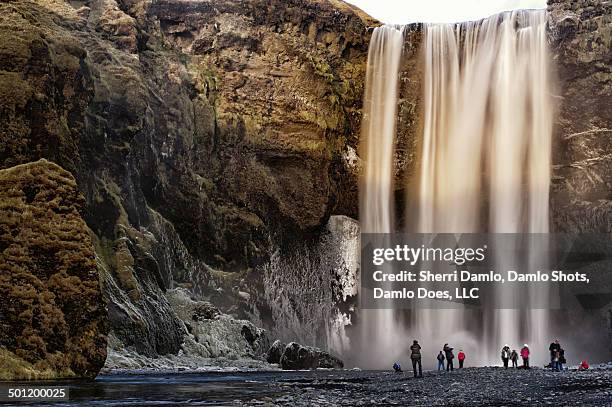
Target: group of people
(508,355)
(447,354)
(557,358)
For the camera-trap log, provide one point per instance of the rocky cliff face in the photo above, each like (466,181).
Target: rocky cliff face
(204,135)
(581,37)
(52,316)
(581,40)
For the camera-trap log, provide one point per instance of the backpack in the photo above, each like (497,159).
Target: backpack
(416,351)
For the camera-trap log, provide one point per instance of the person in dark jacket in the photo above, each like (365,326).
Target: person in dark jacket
(415,356)
(562,359)
(514,358)
(505,355)
(440,358)
(448,353)
(554,349)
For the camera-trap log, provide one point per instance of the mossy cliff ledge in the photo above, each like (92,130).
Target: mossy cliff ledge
(53,321)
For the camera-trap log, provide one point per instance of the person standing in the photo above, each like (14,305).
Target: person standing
(555,362)
(448,352)
(525,356)
(554,349)
(562,360)
(461,358)
(505,355)
(415,356)
(440,358)
(514,358)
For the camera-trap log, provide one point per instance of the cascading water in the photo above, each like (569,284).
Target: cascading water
(484,162)
(379,330)
(487,130)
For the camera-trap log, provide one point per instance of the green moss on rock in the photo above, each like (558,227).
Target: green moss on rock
(52,316)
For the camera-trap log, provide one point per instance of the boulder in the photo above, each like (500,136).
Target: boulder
(299,357)
(53,319)
(275,352)
(329,361)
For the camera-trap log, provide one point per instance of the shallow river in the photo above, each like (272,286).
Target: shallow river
(167,389)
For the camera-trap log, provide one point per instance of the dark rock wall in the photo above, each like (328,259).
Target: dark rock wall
(409,122)
(581,40)
(581,192)
(53,320)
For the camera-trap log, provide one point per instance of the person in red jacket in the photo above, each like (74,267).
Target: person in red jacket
(461,358)
(584,365)
(525,356)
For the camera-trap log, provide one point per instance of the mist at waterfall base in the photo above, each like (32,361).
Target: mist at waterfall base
(484,166)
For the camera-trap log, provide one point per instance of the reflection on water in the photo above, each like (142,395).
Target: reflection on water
(193,389)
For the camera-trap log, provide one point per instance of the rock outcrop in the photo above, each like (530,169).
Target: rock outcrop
(299,357)
(211,334)
(211,340)
(275,352)
(53,319)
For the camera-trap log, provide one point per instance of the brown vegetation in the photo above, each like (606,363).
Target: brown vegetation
(52,316)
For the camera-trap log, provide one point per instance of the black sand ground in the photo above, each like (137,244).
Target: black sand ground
(467,387)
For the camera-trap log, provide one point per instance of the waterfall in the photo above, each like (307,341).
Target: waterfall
(484,164)
(378,129)
(379,329)
(487,138)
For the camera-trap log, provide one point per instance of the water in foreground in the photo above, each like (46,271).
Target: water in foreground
(472,386)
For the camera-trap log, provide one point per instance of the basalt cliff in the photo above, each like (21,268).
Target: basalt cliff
(215,145)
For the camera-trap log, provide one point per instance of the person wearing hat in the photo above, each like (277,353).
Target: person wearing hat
(415,356)
(448,352)
(505,355)
(525,356)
